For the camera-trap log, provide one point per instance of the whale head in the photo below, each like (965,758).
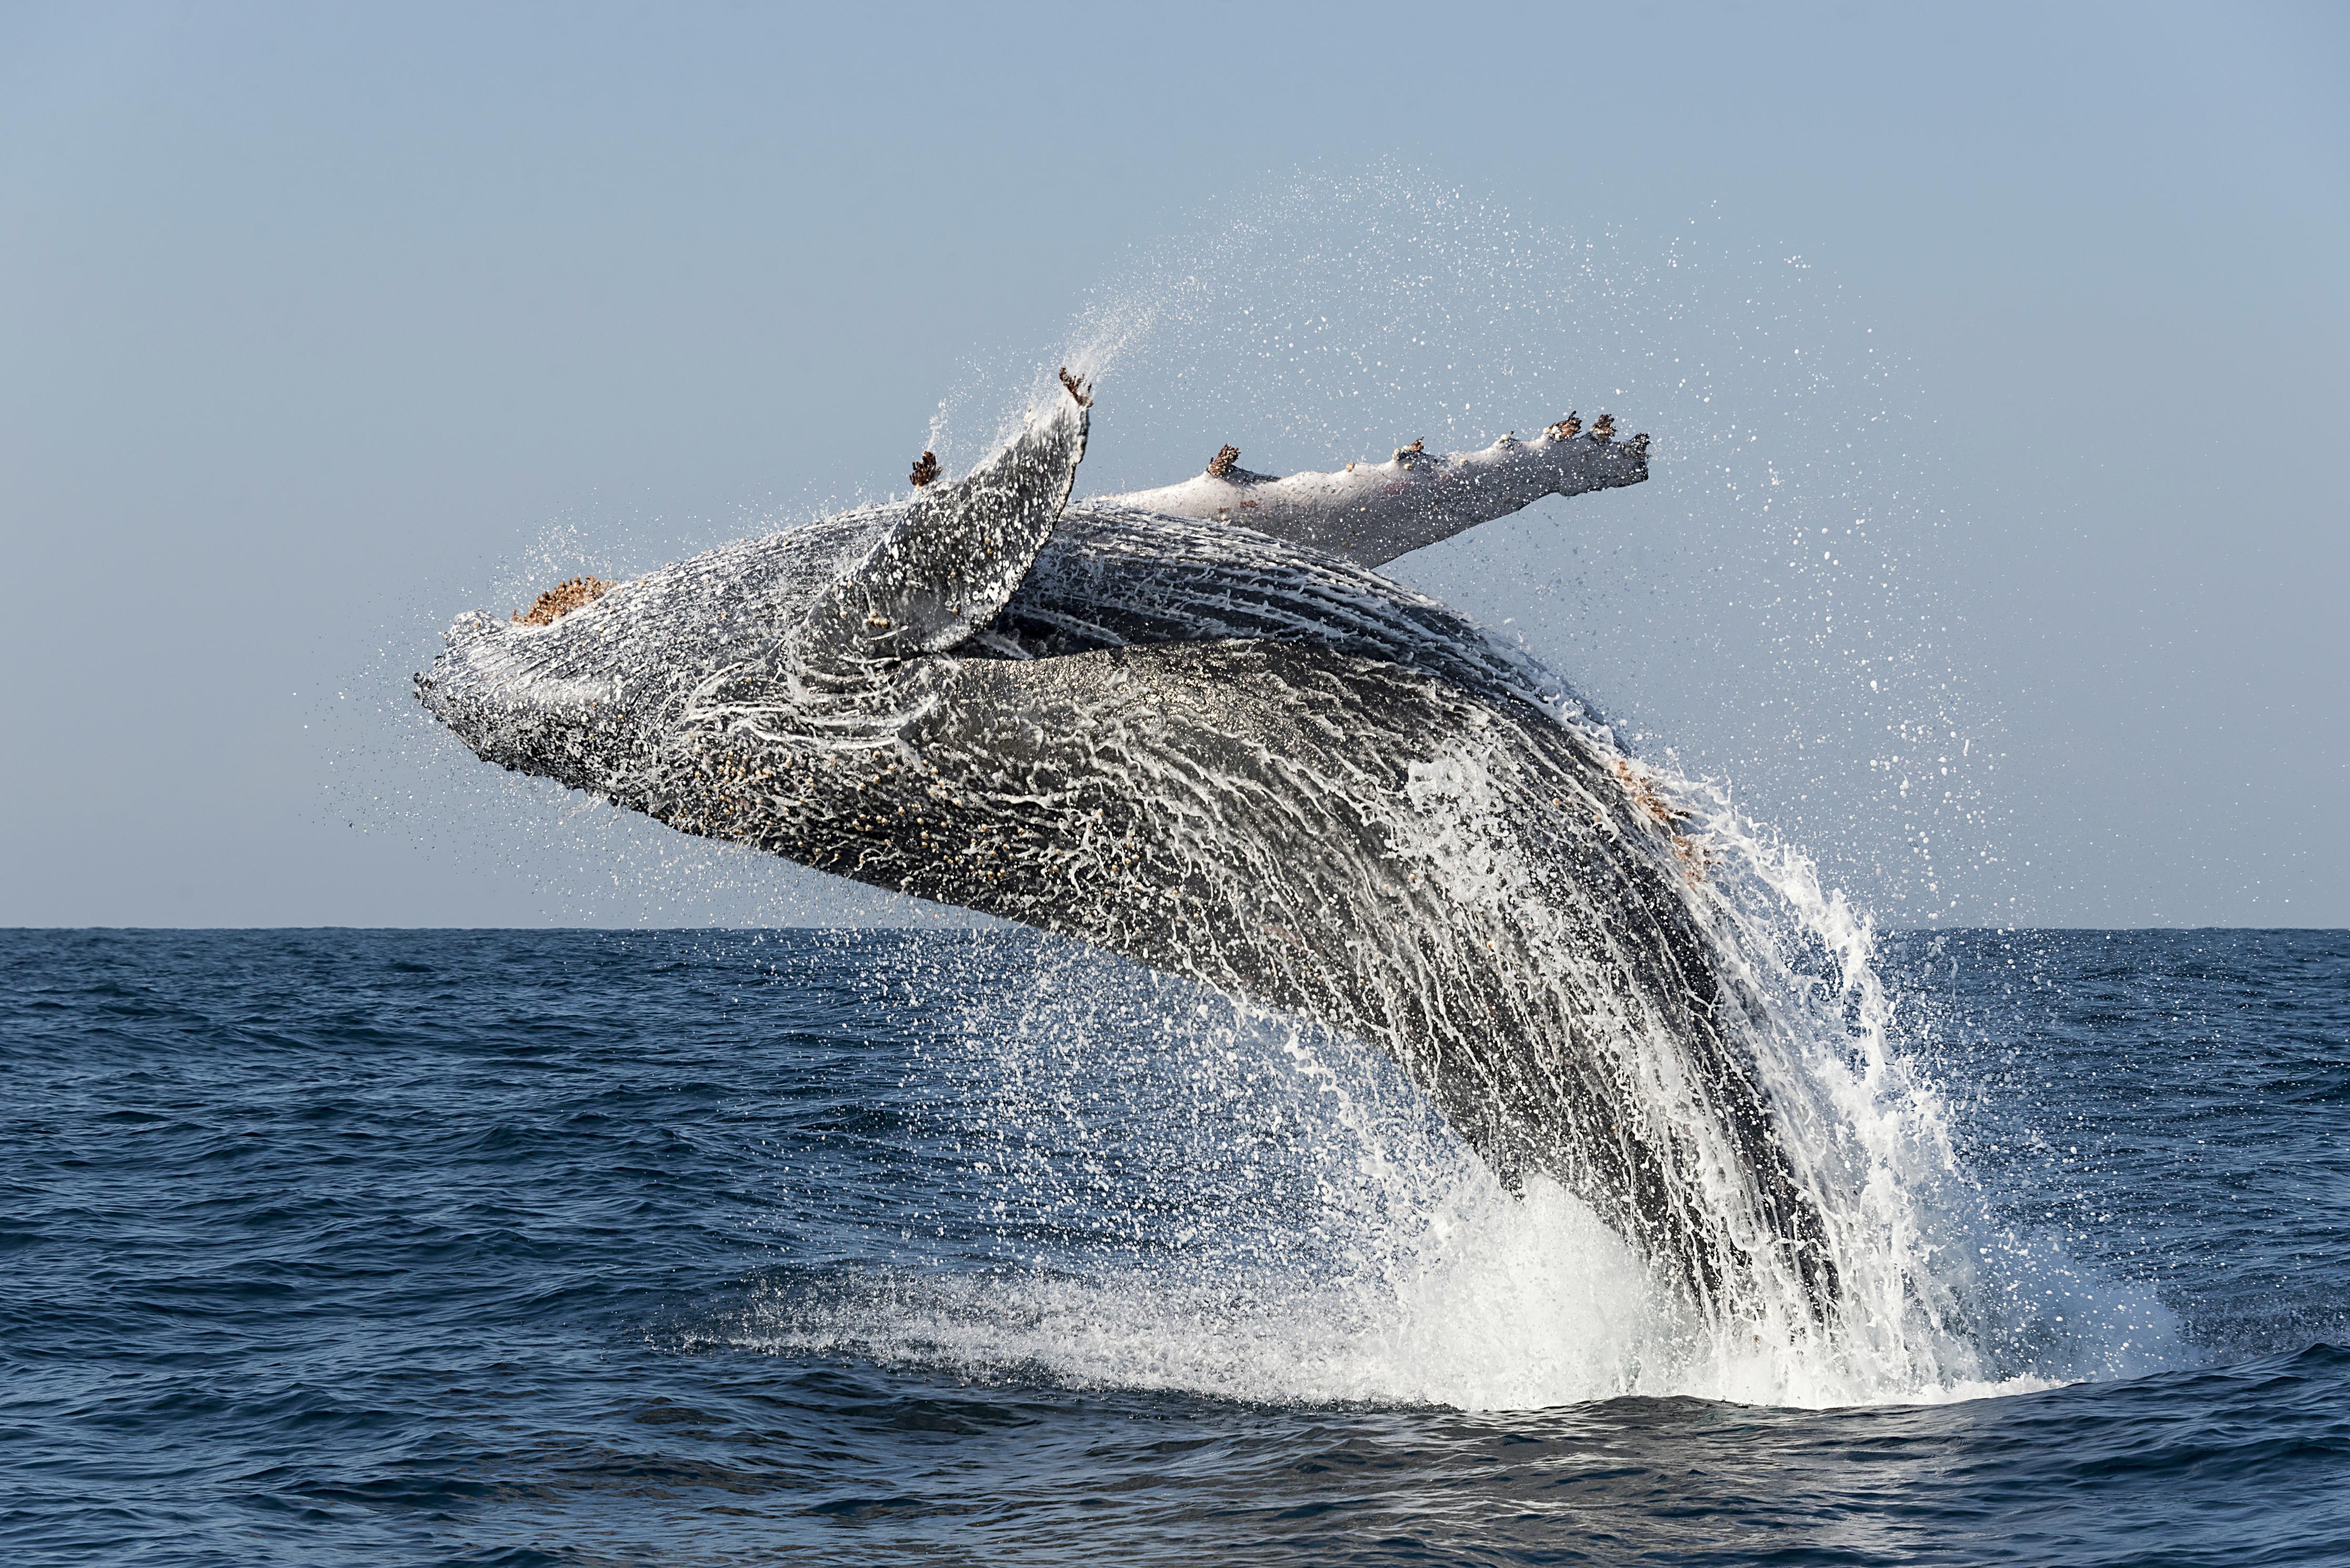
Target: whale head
(814,634)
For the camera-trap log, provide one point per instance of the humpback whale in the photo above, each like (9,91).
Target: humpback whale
(1195,726)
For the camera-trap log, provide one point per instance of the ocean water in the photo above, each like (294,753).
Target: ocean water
(323,1247)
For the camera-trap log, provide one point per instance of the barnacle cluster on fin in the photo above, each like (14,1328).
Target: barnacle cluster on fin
(1602,429)
(926,469)
(561,599)
(1227,458)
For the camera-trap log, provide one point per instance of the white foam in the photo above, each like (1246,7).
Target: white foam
(1492,1303)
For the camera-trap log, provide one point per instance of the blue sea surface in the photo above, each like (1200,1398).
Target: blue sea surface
(495,1247)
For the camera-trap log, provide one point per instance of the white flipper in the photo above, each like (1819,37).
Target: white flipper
(1372,512)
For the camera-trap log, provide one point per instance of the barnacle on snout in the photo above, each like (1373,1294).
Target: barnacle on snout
(560,600)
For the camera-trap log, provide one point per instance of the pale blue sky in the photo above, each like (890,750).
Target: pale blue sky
(318,325)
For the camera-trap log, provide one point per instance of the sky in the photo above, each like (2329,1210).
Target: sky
(320,325)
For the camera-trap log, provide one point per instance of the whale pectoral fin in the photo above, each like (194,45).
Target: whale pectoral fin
(954,553)
(1371,514)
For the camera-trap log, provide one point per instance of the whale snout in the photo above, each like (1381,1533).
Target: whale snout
(528,698)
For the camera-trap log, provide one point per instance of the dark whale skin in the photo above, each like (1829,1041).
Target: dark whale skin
(1233,759)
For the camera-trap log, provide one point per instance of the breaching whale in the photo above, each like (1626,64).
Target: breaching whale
(1195,726)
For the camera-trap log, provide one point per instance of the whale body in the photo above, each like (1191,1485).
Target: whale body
(1241,758)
